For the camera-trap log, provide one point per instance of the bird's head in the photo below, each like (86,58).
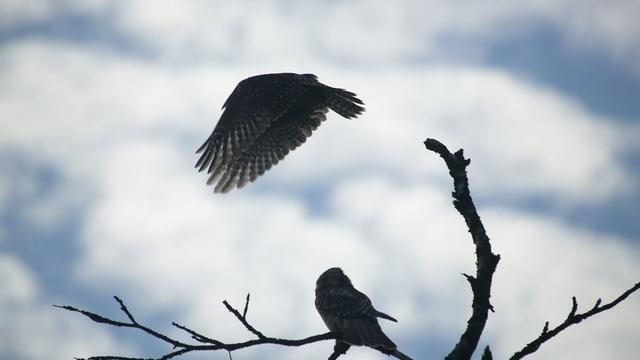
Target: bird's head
(333,277)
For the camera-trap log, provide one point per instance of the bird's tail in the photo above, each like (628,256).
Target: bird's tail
(345,103)
(366,331)
(393,352)
(398,355)
(380,314)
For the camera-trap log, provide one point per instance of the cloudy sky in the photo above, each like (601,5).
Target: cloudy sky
(103,103)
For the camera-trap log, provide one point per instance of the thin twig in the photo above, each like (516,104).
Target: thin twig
(197,336)
(246,307)
(125,310)
(572,319)
(242,319)
(486,261)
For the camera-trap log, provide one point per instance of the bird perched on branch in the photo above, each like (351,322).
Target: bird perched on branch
(264,118)
(350,314)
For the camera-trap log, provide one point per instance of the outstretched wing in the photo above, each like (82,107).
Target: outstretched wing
(277,140)
(265,118)
(271,147)
(252,107)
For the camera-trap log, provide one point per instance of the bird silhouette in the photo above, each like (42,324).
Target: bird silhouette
(264,118)
(350,314)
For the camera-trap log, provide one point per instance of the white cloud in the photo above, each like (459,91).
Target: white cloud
(606,26)
(17,285)
(14,13)
(369,32)
(33,330)
(363,32)
(4,195)
(121,132)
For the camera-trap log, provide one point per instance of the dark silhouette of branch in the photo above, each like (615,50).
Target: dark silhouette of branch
(571,319)
(486,355)
(486,264)
(486,261)
(206,343)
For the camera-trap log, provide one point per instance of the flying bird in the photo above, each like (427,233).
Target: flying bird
(350,314)
(264,118)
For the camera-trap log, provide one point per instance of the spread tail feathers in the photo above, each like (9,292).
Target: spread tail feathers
(345,103)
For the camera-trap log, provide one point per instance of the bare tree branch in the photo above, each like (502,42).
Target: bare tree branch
(486,261)
(571,319)
(206,343)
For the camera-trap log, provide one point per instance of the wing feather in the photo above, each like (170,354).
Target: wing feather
(244,119)
(277,140)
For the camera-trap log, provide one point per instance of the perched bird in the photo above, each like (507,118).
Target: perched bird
(349,313)
(264,118)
